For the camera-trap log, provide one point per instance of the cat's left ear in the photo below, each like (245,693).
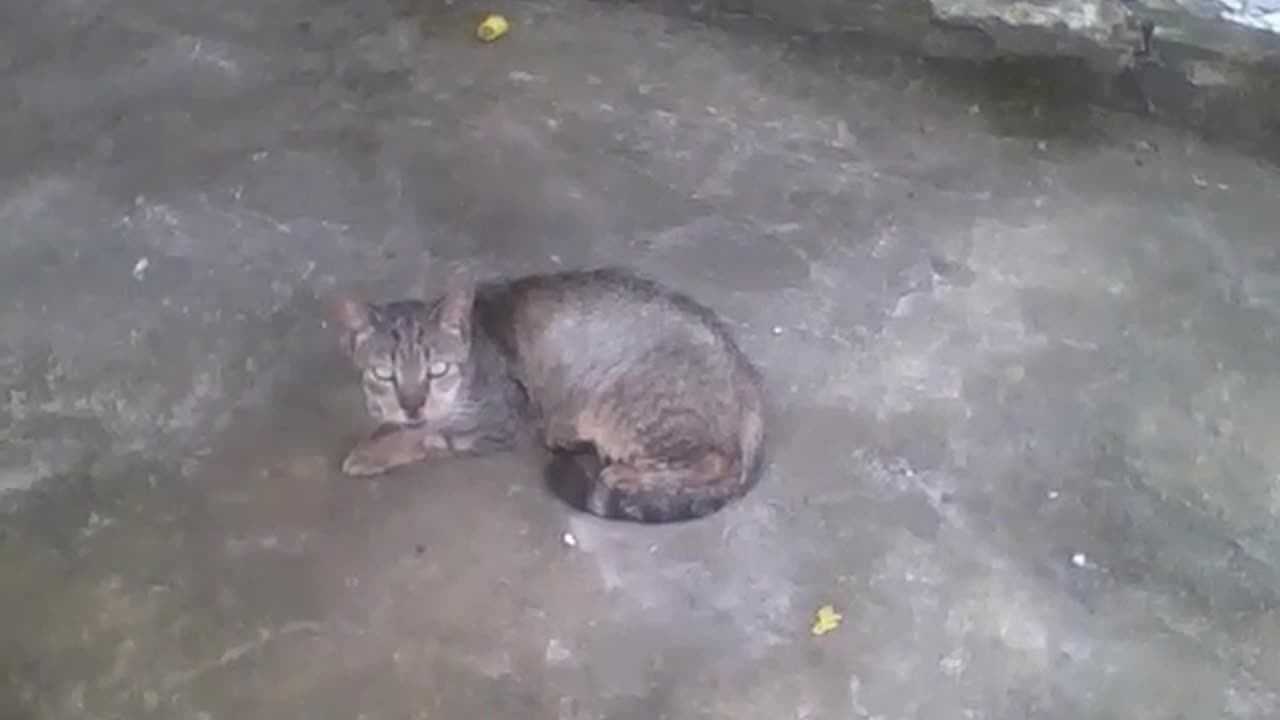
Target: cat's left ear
(456,305)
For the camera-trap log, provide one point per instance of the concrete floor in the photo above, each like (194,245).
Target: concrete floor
(1025,363)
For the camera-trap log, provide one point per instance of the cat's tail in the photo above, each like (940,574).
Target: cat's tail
(667,492)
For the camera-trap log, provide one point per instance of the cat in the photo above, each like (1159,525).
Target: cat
(652,411)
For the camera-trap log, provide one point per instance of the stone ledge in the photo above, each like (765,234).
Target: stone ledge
(1103,32)
(1179,61)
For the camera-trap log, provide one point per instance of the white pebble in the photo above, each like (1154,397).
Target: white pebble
(569,539)
(1079,560)
(140,268)
(1053,494)
(777,330)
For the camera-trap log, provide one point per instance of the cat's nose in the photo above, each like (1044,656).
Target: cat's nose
(413,405)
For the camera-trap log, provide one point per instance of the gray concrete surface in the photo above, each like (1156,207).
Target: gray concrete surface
(1024,358)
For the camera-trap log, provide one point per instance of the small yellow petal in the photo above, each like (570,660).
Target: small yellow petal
(492,28)
(826,621)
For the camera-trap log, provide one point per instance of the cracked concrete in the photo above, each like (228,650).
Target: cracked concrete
(1024,363)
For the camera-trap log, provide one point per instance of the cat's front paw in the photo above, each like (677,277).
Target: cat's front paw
(387,449)
(361,462)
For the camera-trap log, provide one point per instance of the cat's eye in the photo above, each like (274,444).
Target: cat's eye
(383,373)
(438,369)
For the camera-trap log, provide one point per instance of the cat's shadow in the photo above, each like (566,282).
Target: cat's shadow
(570,474)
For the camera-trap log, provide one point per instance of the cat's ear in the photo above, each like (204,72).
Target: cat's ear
(355,318)
(353,314)
(456,305)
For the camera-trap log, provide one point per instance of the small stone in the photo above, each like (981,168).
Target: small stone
(569,539)
(140,268)
(974,109)
(1079,560)
(1042,145)
(777,330)
(556,652)
(1053,494)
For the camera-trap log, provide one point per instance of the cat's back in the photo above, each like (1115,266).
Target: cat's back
(589,322)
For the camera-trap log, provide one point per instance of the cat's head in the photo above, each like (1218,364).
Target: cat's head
(412,356)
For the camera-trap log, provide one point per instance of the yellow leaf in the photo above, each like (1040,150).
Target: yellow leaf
(826,621)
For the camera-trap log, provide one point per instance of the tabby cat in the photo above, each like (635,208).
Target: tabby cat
(652,411)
